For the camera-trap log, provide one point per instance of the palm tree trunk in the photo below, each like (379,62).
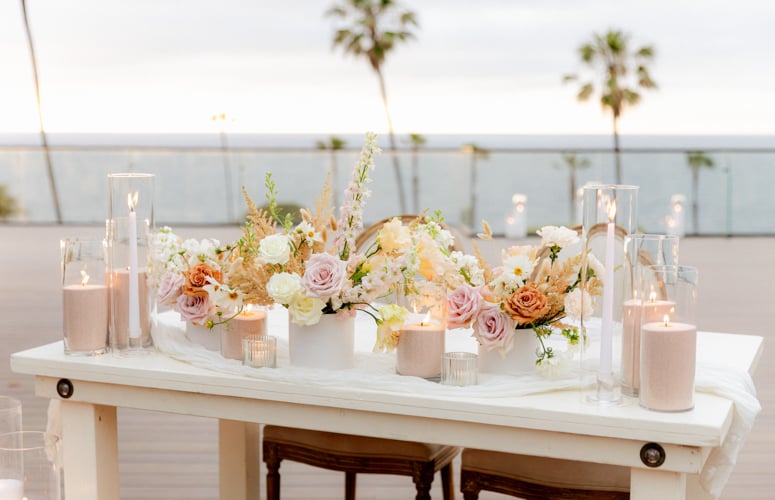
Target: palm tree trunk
(43,138)
(695,201)
(227,177)
(617,151)
(396,163)
(572,197)
(474,200)
(415,181)
(334,177)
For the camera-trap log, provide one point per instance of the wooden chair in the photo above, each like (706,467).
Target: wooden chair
(357,454)
(539,478)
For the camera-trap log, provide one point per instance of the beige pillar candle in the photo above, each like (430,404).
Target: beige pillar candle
(668,360)
(248,322)
(85,315)
(419,351)
(634,313)
(120,307)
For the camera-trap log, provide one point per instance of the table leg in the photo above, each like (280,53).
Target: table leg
(648,484)
(239,451)
(90,451)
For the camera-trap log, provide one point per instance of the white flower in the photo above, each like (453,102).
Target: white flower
(557,235)
(394,236)
(223,297)
(306,311)
(275,249)
(284,287)
(518,266)
(596,266)
(579,303)
(308,233)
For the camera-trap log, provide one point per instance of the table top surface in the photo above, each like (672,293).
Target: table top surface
(564,411)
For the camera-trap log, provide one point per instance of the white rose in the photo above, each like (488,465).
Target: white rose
(306,311)
(275,249)
(557,235)
(284,287)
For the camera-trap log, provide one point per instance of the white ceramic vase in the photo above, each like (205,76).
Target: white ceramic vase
(329,344)
(520,360)
(201,335)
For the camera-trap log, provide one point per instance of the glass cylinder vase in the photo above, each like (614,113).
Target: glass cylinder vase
(610,215)
(641,250)
(28,467)
(84,296)
(669,343)
(130,219)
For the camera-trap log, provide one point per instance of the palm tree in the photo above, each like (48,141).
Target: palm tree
(623,72)
(417,141)
(475,153)
(376,26)
(41,128)
(334,144)
(574,164)
(696,161)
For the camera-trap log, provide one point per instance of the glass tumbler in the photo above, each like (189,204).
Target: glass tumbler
(28,468)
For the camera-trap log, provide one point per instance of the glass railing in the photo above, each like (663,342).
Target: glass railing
(203,186)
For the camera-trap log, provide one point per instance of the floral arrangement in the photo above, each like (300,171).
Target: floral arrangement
(535,287)
(188,275)
(314,268)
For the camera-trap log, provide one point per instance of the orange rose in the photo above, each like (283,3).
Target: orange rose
(197,276)
(526,304)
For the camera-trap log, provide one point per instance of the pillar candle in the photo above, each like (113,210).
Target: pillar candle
(85,315)
(248,322)
(11,489)
(668,360)
(636,312)
(420,347)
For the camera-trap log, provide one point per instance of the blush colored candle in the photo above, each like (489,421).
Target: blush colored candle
(668,361)
(11,489)
(85,315)
(419,351)
(635,312)
(248,322)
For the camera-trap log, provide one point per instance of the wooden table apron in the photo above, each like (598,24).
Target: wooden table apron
(555,424)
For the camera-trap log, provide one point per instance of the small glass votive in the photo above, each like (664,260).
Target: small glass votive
(84,296)
(10,415)
(259,351)
(459,368)
(28,468)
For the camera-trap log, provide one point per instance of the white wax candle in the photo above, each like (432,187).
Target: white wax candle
(606,331)
(11,489)
(134,289)
(668,361)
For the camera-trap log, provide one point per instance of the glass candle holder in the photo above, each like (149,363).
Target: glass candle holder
(642,250)
(459,368)
(28,468)
(421,339)
(610,215)
(259,351)
(130,219)
(251,321)
(84,297)
(669,344)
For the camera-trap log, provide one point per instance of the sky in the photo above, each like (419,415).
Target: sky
(485,66)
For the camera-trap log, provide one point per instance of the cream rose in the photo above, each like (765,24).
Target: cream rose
(579,303)
(275,249)
(492,327)
(557,235)
(526,304)
(306,311)
(394,236)
(284,287)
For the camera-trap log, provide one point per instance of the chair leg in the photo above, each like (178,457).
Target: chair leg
(423,478)
(469,485)
(349,485)
(447,482)
(272,472)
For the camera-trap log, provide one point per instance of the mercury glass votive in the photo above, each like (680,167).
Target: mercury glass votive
(259,351)
(459,368)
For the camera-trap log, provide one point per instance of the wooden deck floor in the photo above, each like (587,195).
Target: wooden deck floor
(167,457)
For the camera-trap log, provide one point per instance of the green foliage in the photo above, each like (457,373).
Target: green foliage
(698,159)
(8,205)
(282,214)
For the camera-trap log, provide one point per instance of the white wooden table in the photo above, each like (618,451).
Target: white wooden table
(555,424)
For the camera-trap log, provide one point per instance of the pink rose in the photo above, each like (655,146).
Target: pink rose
(194,308)
(462,305)
(170,288)
(493,327)
(324,276)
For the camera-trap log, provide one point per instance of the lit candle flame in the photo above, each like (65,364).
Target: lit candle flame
(611,209)
(426,320)
(131,200)
(653,296)
(84,277)
(667,320)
